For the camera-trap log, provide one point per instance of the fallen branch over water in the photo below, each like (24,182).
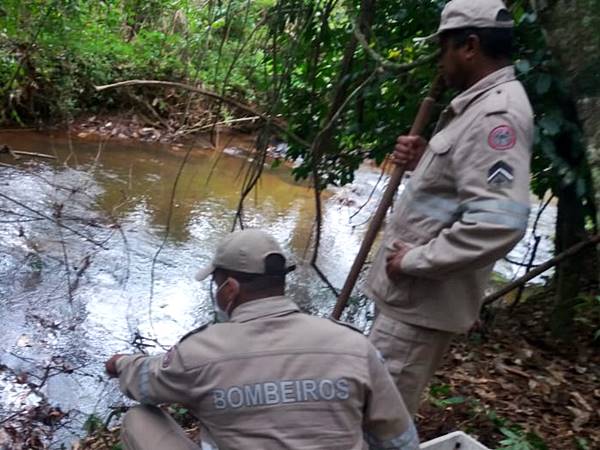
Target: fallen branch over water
(209,94)
(53,220)
(34,154)
(568,253)
(16,153)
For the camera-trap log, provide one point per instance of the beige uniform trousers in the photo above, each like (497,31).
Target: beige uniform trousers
(412,355)
(149,428)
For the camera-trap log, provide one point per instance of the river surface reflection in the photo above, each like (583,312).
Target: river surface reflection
(81,234)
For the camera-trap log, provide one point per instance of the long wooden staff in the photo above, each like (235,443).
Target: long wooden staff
(423,117)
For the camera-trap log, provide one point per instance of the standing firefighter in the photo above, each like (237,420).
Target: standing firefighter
(266,376)
(466,204)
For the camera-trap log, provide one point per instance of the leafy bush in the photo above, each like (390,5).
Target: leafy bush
(52,54)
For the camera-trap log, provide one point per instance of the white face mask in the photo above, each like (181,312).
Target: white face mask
(220,316)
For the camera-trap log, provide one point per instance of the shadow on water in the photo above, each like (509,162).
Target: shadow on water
(79,235)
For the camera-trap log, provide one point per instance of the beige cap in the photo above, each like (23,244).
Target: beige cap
(472,13)
(243,251)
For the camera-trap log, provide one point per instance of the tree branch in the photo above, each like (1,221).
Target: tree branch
(51,219)
(209,94)
(570,252)
(387,64)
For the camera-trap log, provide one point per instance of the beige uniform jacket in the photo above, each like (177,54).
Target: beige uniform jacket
(465,206)
(275,378)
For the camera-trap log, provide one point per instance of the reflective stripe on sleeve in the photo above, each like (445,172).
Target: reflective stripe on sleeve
(495,211)
(405,441)
(439,208)
(513,222)
(144,383)
(507,206)
(498,212)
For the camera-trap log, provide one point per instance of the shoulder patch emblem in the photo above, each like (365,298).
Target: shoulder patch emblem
(502,137)
(500,175)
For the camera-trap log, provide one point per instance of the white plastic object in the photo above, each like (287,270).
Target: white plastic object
(456,440)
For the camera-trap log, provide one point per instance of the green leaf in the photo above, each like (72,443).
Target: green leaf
(536,134)
(551,125)
(523,65)
(92,424)
(531,17)
(439,390)
(453,401)
(548,147)
(543,84)
(219,23)
(582,443)
(509,433)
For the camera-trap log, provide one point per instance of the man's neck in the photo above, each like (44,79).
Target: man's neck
(255,296)
(485,70)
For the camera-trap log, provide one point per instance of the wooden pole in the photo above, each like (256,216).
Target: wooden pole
(423,117)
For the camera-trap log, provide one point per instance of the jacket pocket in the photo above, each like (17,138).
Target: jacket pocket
(438,162)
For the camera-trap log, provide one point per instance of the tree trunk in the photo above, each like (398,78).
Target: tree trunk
(570,229)
(571,28)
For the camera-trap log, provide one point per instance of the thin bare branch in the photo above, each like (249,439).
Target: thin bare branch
(209,94)
(387,64)
(51,219)
(324,278)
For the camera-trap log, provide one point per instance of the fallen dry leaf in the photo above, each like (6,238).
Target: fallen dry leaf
(580,401)
(581,417)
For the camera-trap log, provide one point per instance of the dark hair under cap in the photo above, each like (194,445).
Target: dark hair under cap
(496,43)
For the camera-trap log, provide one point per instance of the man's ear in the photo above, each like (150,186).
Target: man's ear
(472,46)
(230,290)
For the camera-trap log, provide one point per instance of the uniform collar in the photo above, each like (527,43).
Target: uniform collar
(464,99)
(265,307)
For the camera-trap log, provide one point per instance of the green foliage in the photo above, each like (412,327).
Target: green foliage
(559,156)
(53,53)
(317,35)
(439,395)
(92,424)
(581,444)
(517,439)
(179,412)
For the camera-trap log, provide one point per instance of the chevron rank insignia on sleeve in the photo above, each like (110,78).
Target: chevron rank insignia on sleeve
(500,175)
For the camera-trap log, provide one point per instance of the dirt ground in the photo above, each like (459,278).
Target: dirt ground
(514,384)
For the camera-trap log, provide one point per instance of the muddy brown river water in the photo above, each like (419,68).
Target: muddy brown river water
(79,235)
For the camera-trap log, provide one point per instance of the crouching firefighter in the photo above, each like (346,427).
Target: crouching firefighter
(265,376)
